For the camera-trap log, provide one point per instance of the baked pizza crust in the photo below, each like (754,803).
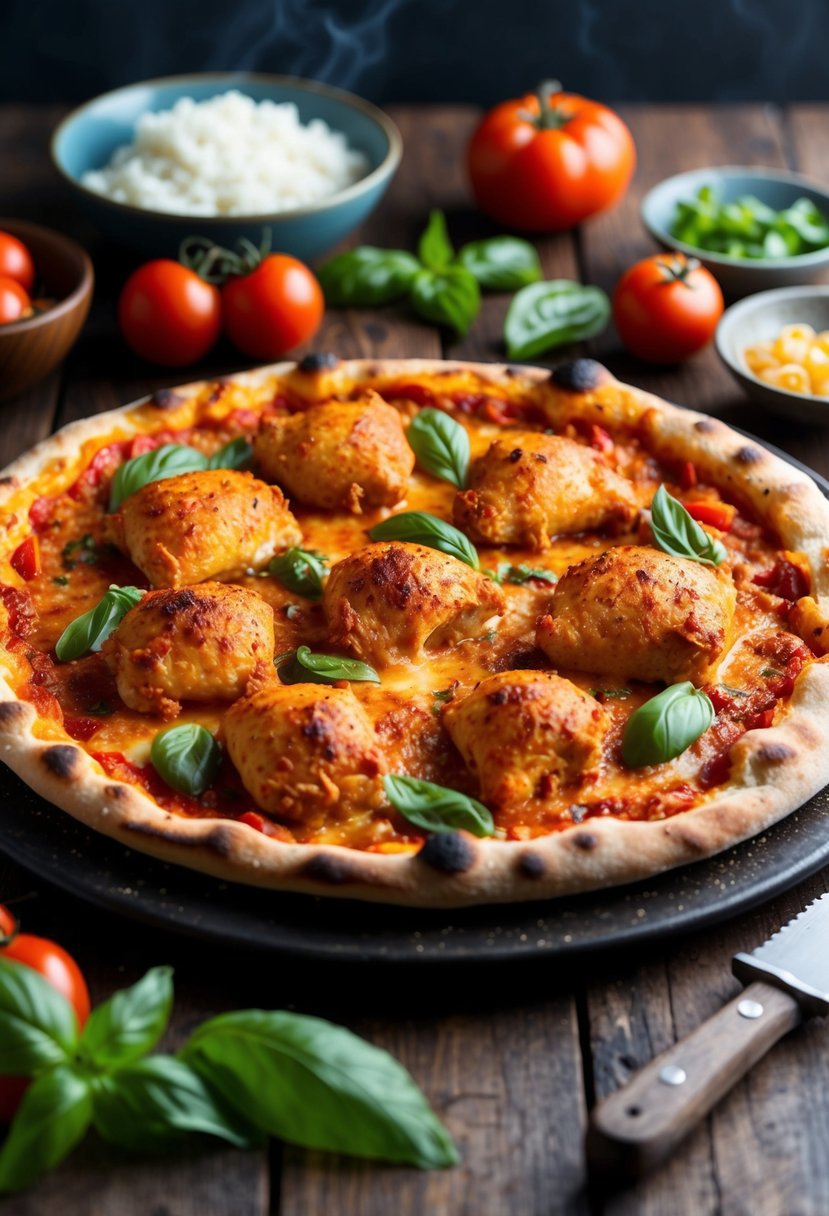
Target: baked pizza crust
(774,770)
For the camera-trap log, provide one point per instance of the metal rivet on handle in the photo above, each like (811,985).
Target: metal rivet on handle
(672,1074)
(750,1009)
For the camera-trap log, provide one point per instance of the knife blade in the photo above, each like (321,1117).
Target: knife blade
(639,1125)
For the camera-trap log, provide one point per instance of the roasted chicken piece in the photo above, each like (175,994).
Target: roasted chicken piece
(525,733)
(528,487)
(196,526)
(306,753)
(340,455)
(638,613)
(194,644)
(388,602)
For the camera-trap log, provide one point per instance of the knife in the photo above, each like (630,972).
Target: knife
(788,980)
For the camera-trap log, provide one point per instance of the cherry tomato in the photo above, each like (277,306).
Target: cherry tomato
(169,315)
(667,307)
(549,160)
(272,309)
(26,558)
(62,972)
(14,300)
(16,261)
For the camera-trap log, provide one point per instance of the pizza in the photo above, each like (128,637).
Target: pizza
(412,631)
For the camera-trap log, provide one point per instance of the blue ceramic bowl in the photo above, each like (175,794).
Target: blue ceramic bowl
(739,276)
(87,138)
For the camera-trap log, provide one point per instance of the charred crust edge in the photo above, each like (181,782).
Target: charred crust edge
(775,753)
(585,840)
(330,869)
(12,712)
(530,865)
(62,760)
(748,455)
(165,399)
(448,852)
(579,375)
(318,361)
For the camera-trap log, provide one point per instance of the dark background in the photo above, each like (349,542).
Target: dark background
(422,50)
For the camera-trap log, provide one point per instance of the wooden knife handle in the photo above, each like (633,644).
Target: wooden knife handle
(638,1126)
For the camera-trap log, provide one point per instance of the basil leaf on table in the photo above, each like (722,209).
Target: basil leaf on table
(130,1023)
(318,1085)
(449,297)
(53,1117)
(166,461)
(89,631)
(554,313)
(300,571)
(233,455)
(436,808)
(302,666)
(421,528)
(676,532)
(145,1105)
(501,263)
(434,247)
(38,1027)
(367,277)
(666,725)
(187,757)
(441,445)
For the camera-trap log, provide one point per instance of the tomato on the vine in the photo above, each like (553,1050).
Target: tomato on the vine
(61,971)
(168,314)
(14,300)
(16,261)
(666,307)
(549,160)
(273,308)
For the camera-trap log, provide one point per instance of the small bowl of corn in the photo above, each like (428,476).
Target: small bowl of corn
(776,345)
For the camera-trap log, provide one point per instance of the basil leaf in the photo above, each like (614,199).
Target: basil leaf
(434,247)
(302,666)
(300,570)
(367,277)
(234,455)
(146,1105)
(420,528)
(54,1115)
(130,1023)
(451,298)
(91,630)
(436,808)
(38,1027)
(441,445)
(666,725)
(318,1085)
(186,757)
(166,461)
(545,315)
(676,532)
(521,574)
(502,263)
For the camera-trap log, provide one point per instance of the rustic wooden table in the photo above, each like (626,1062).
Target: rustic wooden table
(512,1059)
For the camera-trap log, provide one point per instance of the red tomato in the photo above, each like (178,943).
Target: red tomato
(14,300)
(26,558)
(548,161)
(275,307)
(62,972)
(169,315)
(16,261)
(667,307)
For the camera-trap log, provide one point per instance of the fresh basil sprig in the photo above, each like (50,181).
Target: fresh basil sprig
(501,263)
(554,313)
(449,297)
(302,666)
(434,247)
(421,528)
(187,757)
(436,808)
(441,445)
(170,460)
(507,573)
(675,531)
(368,277)
(666,725)
(90,630)
(239,1078)
(300,571)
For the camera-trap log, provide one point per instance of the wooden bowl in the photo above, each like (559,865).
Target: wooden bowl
(33,347)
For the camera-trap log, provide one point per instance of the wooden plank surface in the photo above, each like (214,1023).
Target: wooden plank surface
(500,1054)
